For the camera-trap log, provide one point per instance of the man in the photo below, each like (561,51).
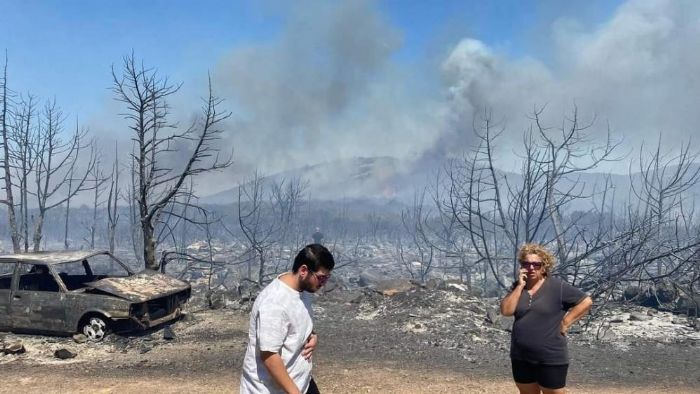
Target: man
(280,337)
(317,236)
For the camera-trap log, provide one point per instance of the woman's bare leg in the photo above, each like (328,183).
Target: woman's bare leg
(528,388)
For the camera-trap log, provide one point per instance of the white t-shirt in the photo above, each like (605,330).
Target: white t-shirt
(281,321)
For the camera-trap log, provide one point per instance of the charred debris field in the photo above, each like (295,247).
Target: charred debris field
(392,337)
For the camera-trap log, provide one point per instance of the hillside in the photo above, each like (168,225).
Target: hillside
(386,178)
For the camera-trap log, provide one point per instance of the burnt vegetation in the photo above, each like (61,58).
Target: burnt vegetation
(637,241)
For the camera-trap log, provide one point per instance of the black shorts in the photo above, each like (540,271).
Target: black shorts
(313,389)
(547,376)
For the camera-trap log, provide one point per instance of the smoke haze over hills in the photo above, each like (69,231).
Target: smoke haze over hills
(318,82)
(311,95)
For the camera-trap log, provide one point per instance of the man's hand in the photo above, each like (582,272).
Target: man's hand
(309,347)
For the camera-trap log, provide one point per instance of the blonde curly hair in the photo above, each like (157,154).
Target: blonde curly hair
(548,259)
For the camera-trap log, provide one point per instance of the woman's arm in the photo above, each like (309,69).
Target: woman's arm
(510,301)
(575,314)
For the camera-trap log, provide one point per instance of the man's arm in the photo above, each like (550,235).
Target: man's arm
(278,372)
(575,314)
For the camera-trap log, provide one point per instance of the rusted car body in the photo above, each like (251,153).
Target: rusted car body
(89,292)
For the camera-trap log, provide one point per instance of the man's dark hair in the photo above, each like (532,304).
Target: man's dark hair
(314,256)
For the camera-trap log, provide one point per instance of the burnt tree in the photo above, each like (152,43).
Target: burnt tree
(57,162)
(6,166)
(24,135)
(155,183)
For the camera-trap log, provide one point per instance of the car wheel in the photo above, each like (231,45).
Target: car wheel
(94,328)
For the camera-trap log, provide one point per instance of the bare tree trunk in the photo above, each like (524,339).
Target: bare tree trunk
(261,267)
(9,199)
(25,215)
(66,244)
(556,220)
(149,246)
(38,227)
(112,199)
(97,180)
(136,238)
(93,226)
(210,274)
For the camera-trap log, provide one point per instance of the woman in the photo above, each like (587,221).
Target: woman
(544,308)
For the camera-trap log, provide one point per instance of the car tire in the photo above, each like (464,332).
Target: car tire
(94,327)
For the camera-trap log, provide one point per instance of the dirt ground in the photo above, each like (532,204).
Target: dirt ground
(354,356)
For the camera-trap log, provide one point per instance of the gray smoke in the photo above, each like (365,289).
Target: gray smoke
(327,86)
(636,72)
(325,89)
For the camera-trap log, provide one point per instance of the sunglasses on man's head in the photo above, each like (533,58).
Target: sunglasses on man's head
(531,264)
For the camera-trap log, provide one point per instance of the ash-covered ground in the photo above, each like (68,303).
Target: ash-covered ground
(448,329)
(396,337)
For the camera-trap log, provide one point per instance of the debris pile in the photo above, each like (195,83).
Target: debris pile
(449,316)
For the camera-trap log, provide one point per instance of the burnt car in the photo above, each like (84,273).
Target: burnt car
(89,292)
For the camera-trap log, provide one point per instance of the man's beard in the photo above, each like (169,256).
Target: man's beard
(307,285)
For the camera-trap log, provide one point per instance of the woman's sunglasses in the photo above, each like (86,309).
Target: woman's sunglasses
(531,264)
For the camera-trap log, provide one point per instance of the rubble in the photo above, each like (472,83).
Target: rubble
(448,314)
(64,354)
(13,348)
(453,317)
(168,333)
(79,338)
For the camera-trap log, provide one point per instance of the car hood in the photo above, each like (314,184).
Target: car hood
(144,286)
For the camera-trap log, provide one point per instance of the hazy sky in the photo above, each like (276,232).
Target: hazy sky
(314,81)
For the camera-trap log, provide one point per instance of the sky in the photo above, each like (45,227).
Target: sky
(315,81)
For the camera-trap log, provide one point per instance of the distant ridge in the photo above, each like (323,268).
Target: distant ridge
(389,179)
(361,177)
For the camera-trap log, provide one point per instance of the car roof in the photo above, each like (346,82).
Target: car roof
(54,257)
